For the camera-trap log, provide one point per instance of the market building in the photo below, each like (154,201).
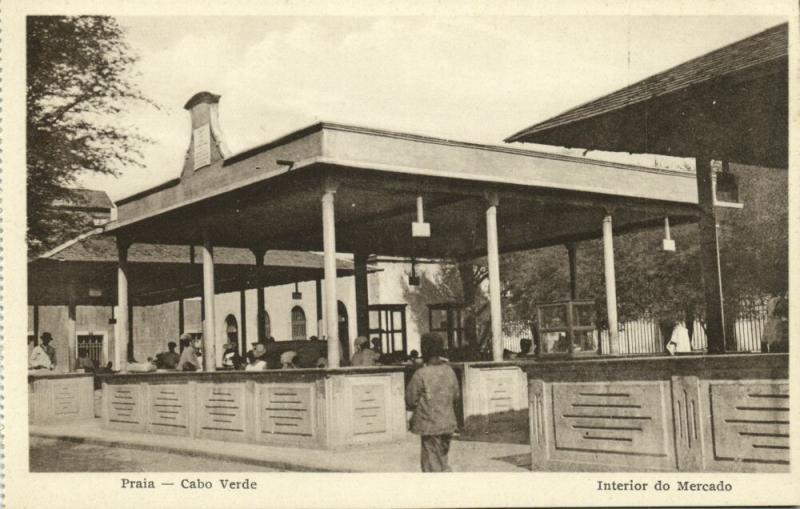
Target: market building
(361,193)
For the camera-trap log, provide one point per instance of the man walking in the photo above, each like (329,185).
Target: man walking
(432,394)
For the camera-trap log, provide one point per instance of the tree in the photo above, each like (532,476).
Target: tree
(79,82)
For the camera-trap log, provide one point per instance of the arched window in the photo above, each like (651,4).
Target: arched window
(298,323)
(267,325)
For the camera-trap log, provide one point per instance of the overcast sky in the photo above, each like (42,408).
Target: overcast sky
(465,78)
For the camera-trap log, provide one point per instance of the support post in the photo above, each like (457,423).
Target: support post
(121,333)
(181,317)
(329,248)
(209,324)
(573,270)
(709,258)
(611,284)
(243,321)
(72,339)
(261,329)
(320,325)
(131,339)
(362,293)
(493,260)
(35,325)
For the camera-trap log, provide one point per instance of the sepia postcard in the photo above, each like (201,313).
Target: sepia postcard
(398,254)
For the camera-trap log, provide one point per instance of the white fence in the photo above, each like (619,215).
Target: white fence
(643,336)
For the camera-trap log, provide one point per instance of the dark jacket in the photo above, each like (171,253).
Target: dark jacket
(432,394)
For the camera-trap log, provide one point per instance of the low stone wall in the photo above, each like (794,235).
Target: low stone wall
(313,408)
(60,397)
(726,413)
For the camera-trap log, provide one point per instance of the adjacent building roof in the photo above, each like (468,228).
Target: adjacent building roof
(84,269)
(736,71)
(86,199)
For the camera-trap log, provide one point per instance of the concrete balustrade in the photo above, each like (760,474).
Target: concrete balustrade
(60,397)
(315,408)
(697,413)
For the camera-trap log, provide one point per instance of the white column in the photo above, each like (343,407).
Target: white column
(209,324)
(121,332)
(493,260)
(329,248)
(611,284)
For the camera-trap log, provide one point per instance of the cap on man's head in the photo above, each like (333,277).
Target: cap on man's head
(186,337)
(361,340)
(46,337)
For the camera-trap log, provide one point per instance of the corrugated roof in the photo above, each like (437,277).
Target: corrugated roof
(86,198)
(761,48)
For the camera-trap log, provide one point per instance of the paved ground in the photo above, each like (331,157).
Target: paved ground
(54,455)
(465,456)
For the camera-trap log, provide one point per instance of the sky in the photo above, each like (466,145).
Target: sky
(474,78)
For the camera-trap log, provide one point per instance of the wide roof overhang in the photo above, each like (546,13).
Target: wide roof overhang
(730,104)
(270,196)
(84,272)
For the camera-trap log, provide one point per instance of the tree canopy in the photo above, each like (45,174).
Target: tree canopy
(79,83)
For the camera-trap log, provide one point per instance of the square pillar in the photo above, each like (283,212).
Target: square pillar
(573,270)
(72,338)
(209,305)
(362,293)
(320,324)
(611,284)
(493,261)
(261,317)
(709,258)
(329,248)
(121,333)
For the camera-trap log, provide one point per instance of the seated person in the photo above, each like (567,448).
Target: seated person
(230,357)
(525,348)
(85,363)
(414,359)
(364,356)
(142,367)
(288,359)
(43,355)
(190,360)
(168,359)
(258,360)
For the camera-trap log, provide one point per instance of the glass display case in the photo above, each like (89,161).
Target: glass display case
(567,328)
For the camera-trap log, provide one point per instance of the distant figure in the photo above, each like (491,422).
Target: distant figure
(168,359)
(679,340)
(230,356)
(258,360)
(376,345)
(432,395)
(107,368)
(84,362)
(364,356)
(189,360)
(322,362)
(288,359)
(43,355)
(413,359)
(775,336)
(525,348)
(142,367)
